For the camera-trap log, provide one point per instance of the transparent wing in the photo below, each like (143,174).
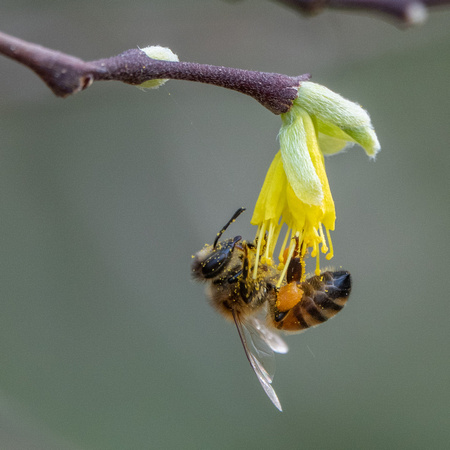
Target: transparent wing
(258,345)
(272,339)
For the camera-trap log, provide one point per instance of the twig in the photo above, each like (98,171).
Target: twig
(66,75)
(409,12)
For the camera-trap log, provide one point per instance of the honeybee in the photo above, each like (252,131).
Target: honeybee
(257,306)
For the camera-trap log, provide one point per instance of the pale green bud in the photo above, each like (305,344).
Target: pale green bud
(163,54)
(339,121)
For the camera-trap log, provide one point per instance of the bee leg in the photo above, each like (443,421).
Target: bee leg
(245,264)
(294,270)
(243,289)
(276,313)
(235,278)
(241,277)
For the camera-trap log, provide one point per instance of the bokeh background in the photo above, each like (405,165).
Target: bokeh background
(107,343)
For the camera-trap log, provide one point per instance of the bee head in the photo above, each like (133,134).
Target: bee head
(217,261)
(213,260)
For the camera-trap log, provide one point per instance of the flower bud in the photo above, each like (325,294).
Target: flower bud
(163,54)
(337,118)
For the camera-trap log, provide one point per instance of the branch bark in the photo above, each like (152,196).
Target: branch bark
(66,75)
(408,12)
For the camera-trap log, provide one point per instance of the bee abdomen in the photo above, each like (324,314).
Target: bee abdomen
(320,298)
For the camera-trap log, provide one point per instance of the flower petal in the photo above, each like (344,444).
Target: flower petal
(329,215)
(331,107)
(331,145)
(271,200)
(337,117)
(294,143)
(366,138)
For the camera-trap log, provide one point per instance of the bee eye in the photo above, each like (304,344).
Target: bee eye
(218,260)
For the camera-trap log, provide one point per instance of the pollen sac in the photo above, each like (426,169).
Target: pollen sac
(288,296)
(317,299)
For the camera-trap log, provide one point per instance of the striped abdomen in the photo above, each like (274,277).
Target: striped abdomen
(303,305)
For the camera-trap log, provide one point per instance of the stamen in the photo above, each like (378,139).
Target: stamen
(303,262)
(322,237)
(258,250)
(331,252)
(269,240)
(317,272)
(314,249)
(292,247)
(281,255)
(257,231)
(277,229)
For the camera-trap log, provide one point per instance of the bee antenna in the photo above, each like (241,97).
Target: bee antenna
(235,216)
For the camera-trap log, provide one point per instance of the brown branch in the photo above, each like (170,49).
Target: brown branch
(408,12)
(66,75)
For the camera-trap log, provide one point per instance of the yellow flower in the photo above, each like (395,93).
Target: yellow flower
(296,190)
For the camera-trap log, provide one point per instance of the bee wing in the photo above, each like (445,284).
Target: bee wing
(259,354)
(272,339)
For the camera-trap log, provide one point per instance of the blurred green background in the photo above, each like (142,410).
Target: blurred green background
(107,343)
